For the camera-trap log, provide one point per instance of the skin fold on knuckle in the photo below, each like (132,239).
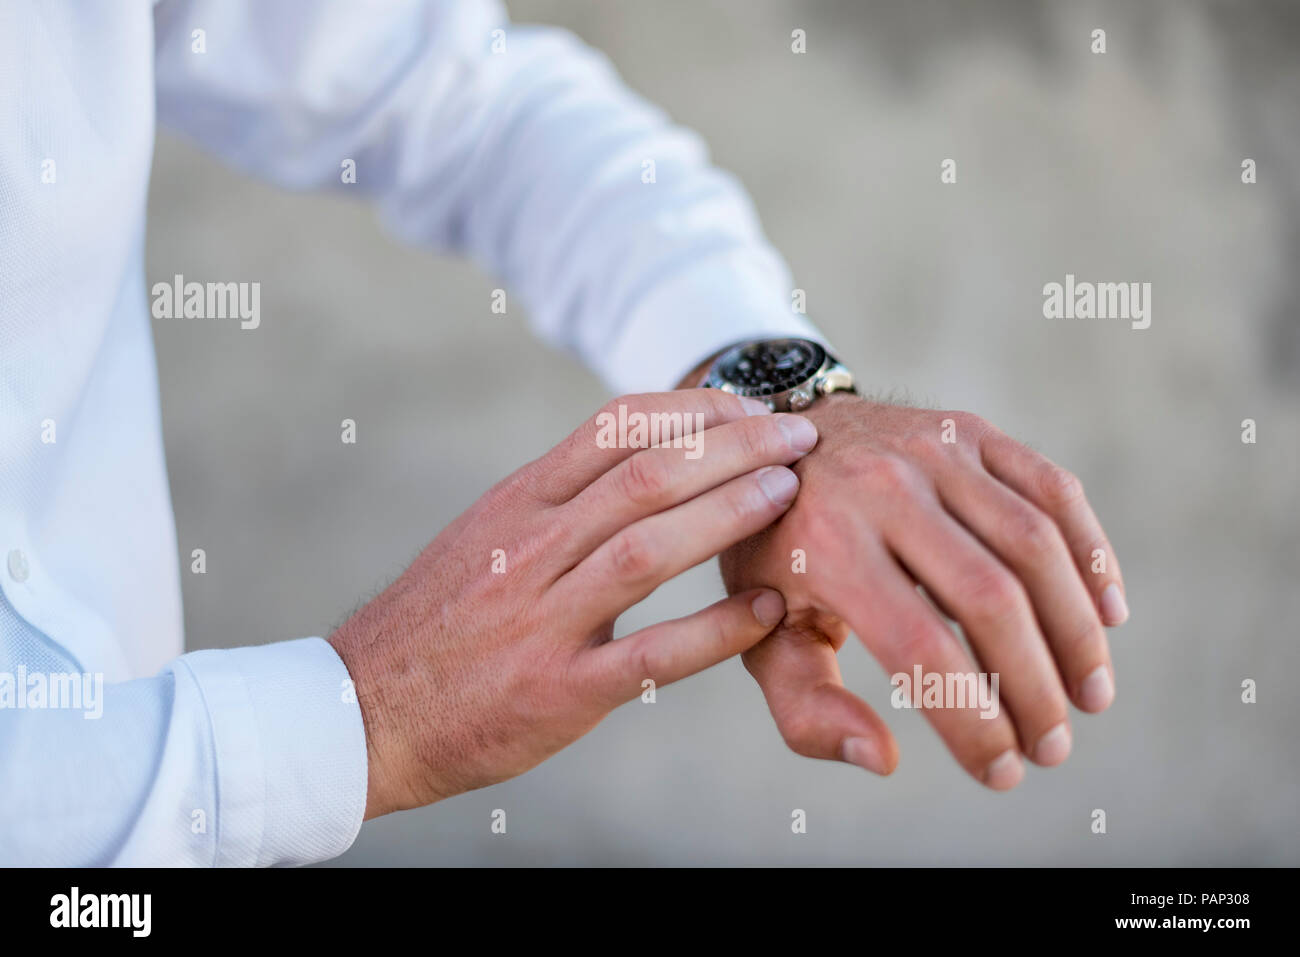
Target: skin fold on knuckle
(755,438)
(1084,643)
(991,597)
(799,731)
(634,555)
(730,625)
(646,478)
(1032,536)
(884,474)
(1060,487)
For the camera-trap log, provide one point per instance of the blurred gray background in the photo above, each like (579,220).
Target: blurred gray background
(1123,166)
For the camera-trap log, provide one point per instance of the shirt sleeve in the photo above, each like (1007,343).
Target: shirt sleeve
(518,146)
(242,757)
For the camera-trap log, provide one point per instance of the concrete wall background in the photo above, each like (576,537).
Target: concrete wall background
(1116,167)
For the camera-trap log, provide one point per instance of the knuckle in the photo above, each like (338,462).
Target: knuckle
(975,428)
(611,407)
(754,440)
(648,660)
(1059,486)
(991,594)
(885,473)
(588,435)
(921,445)
(950,433)
(739,505)
(551,537)
(646,478)
(716,630)
(799,731)
(1084,641)
(1032,533)
(633,555)
(723,405)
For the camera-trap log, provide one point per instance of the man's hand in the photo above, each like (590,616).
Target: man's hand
(1001,540)
(493,650)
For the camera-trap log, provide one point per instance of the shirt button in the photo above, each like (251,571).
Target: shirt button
(18,569)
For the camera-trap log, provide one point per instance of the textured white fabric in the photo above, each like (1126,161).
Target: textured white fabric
(529,157)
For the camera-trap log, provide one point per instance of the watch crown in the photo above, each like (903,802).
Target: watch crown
(800,400)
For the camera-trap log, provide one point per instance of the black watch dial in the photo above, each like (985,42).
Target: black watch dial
(770,366)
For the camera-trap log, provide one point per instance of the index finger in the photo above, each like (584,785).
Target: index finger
(625,425)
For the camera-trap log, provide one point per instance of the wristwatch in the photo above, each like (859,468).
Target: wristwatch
(787,374)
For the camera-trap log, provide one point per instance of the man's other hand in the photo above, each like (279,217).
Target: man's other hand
(493,650)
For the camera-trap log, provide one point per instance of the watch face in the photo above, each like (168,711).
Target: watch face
(770,366)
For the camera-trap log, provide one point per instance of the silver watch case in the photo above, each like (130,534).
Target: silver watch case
(831,376)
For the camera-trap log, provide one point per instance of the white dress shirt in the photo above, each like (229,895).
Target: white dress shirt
(519,148)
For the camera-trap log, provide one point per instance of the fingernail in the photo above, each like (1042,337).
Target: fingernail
(1097,691)
(1005,771)
(778,484)
(864,753)
(1114,609)
(769,607)
(754,406)
(1053,747)
(799,432)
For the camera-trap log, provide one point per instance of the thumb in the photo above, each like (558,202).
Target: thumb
(817,716)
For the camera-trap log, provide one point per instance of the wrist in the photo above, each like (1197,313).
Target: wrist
(831,412)
(365,655)
(694,378)
(834,400)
